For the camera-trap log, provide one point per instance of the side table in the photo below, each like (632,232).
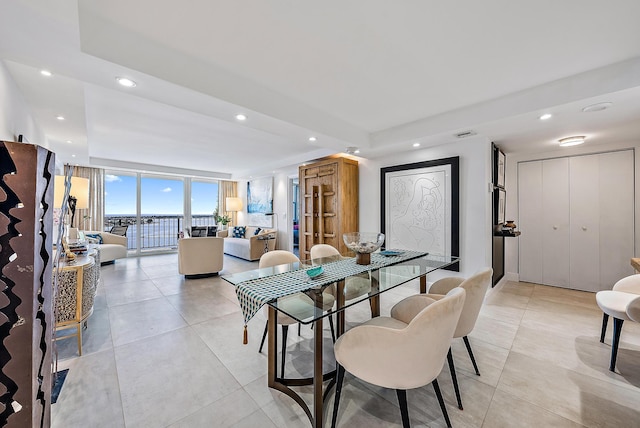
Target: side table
(266,238)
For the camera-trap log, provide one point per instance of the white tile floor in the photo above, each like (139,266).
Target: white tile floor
(161,351)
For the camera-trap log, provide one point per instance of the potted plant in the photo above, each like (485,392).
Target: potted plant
(221,220)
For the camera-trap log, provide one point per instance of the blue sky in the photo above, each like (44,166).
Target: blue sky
(159,195)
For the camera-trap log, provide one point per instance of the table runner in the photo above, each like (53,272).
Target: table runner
(254,293)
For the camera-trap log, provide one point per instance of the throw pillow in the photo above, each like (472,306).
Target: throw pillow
(257,232)
(96,236)
(239,231)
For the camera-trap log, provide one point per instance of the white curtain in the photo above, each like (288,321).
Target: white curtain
(91,218)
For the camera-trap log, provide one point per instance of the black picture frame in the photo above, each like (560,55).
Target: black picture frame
(453,164)
(499,166)
(499,205)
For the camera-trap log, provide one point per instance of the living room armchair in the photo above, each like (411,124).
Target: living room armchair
(199,257)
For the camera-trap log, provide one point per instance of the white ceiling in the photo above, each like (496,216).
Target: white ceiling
(377,75)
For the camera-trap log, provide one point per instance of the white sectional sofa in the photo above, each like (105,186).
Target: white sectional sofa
(250,247)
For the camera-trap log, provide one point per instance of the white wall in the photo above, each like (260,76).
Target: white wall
(511,185)
(15,116)
(475,198)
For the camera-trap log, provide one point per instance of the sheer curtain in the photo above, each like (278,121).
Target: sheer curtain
(227,189)
(91,218)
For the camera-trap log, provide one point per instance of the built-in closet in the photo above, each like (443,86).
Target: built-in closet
(576,215)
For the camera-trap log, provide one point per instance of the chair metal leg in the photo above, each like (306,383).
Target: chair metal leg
(617,328)
(285,330)
(336,400)
(404,411)
(436,388)
(473,360)
(264,336)
(454,378)
(333,330)
(298,329)
(79,330)
(605,320)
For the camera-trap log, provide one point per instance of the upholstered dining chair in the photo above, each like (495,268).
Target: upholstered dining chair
(354,286)
(281,257)
(476,287)
(390,353)
(623,304)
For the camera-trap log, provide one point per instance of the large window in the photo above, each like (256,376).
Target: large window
(204,201)
(157,209)
(161,212)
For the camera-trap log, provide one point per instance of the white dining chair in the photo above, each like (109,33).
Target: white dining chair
(623,304)
(476,287)
(354,286)
(390,353)
(295,304)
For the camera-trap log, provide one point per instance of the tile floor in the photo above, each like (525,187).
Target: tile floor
(162,351)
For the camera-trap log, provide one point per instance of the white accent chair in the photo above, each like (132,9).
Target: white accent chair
(111,248)
(623,304)
(394,354)
(198,257)
(476,287)
(354,286)
(291,305)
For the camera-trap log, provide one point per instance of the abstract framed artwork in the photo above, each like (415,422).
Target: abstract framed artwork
(260,201)
(420,207)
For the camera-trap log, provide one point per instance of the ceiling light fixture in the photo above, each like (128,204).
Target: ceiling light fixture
(69,141)
(545,116)
(60,117)
(45,73)
(73,156)
(127,83)
(597,107)
(241,117)
(571,141)
(313,139)
(416,144)
(351,150)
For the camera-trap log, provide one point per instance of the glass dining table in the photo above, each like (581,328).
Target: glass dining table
(278,286)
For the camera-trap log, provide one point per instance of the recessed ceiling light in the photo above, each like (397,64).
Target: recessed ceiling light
(69,141)
(597,107)
(356,151)
(545,116)
(127,83)
(241,117)
(45,73)
(312,139)
(572,141)
(60,117)
(73,156)
(416,144)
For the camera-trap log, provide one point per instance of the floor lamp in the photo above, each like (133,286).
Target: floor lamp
(233,204)
(275,216)
(78,194)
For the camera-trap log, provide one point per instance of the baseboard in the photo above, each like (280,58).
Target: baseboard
(511,276)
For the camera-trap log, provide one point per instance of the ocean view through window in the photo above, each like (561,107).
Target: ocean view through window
(167,205)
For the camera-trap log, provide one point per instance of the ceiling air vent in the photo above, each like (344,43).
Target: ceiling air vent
(464,134)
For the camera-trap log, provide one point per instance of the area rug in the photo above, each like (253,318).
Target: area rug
(59,378)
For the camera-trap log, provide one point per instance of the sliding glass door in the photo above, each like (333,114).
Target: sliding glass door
(157,209)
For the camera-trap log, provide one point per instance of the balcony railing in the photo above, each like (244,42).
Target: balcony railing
(157,232)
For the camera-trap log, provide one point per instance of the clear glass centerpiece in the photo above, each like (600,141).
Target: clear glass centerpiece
(363,244)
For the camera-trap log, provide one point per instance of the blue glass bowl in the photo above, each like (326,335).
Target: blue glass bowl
(315,271)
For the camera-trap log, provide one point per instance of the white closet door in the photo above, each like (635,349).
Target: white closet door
(616,216)
(530,213)
(584,173)
(555,222)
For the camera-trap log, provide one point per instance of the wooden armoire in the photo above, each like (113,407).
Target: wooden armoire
(329,203)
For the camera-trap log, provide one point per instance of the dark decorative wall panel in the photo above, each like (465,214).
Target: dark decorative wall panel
(26,223)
